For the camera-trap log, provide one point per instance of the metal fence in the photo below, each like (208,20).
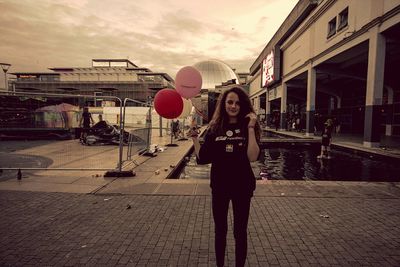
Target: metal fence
(140,133)
(43,132)
(138,142)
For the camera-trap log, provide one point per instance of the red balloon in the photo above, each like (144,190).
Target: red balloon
(168,103)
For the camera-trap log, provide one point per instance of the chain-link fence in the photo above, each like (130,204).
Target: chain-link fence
(139,122)
(70,132)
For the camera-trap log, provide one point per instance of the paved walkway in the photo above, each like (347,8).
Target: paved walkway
(148,220)
(61,229)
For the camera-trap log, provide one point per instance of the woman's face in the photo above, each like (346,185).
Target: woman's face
(232,104)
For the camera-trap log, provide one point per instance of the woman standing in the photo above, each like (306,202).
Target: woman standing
(230,144)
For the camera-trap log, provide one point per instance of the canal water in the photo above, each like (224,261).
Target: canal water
(301,163)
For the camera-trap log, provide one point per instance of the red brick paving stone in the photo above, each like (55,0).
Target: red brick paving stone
(144,188)
(285,230)
(203,190)
(176,189)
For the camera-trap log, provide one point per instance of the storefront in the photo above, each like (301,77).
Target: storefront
(334,59)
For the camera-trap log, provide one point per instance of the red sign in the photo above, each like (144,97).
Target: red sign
(268,70)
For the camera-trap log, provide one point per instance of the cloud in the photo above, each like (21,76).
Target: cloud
(162,35)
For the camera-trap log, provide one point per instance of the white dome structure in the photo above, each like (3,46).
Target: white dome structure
(215,72)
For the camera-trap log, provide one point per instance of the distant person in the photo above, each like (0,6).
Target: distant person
(326,142)
(298,124)
(175,127)
(330,125)
(101,123)
(336,124)
(85,121)
(230,144)
(288,124)
(276,122)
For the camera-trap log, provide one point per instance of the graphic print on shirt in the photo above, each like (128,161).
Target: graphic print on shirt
(231,139)
(229,148)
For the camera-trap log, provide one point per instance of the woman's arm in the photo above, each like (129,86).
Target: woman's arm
(196,145)
(204,153)
(253,149)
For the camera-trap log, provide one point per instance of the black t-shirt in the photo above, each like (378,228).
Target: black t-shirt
(231,171)
(326,137)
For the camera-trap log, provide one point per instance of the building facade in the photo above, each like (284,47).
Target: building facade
(333,59)
(106,77)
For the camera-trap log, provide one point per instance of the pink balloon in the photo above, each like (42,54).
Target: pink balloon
(188,82)
(168,103)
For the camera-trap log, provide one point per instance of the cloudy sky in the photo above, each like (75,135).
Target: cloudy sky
(163,35)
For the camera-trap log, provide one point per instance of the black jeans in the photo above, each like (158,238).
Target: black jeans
(241,209)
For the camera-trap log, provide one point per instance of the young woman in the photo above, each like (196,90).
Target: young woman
(230,144)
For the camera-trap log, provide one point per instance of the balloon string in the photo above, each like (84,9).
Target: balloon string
(200,113)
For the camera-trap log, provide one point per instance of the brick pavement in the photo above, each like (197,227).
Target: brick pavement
(64,229)
(292,223)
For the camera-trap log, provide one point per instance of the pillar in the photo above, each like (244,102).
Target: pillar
(374,92)
(267,108)
(389,113)
(310,108)
(283,106)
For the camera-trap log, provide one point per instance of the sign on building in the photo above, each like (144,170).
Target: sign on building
(268,70)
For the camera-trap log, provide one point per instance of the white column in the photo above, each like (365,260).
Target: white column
(267,109)
(283,105)
(389,122)
(374,92)
(257,104)
(310,108)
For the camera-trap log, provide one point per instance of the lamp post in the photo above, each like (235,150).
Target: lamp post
(5,67)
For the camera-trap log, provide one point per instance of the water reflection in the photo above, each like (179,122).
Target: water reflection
(301,163)
(273,135)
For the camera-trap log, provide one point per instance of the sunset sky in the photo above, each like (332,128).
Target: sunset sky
(163,35)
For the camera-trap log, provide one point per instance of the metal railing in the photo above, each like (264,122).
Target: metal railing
(140,138)
(65,128)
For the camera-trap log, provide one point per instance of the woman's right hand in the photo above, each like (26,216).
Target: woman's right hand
(252,119)
(193,132)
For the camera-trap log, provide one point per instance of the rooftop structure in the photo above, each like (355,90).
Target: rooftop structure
(109,77)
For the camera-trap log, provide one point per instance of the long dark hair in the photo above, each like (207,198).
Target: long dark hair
(220,119)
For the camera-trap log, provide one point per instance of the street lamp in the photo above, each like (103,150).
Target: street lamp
(5,67)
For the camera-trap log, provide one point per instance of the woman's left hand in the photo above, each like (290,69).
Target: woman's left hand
(253,119)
